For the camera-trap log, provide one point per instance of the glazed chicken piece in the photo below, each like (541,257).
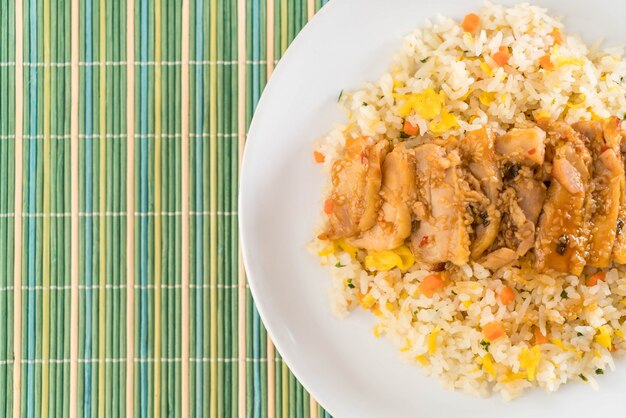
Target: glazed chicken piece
(563,230)
(521,152)
(399,194)
(531,194)
(441,234)
(613,133)
(356,182)
(603,138)
(524,146)
(477,149)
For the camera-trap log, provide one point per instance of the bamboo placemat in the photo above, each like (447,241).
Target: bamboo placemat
(122,291)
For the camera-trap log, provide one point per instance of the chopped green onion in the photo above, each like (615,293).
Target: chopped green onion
(340,94)
(350,284)
(564,294)
(485,344)
(599,371)
(583,377)
(339,265)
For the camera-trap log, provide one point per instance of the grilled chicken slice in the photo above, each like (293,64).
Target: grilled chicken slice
(613,134)
(441,235)
(607,179)
(522,151)
(356,182)
(563,226)
(477,150)
(499,258)
(531,194)
(399,194)
(525,146)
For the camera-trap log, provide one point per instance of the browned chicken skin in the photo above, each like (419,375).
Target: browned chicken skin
(398,192)
(355,196)
(441,234)
(477,149)
(564,229)
(607,179)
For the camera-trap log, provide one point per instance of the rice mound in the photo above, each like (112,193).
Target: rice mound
(444,66)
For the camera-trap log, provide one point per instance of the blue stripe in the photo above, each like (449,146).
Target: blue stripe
(32,223)
(199,207)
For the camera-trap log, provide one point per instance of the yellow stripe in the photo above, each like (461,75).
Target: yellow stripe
(310,8)
(74,254)
(213,203)
(17,265)
(185,210)
(103,220)
(157,209)
(45,337)
(241,128)
(285,390)
(130,208)
(284,36)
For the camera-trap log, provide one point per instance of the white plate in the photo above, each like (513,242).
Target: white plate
(347,370)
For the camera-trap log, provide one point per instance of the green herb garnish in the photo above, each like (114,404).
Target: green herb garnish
(580,334)
(485,344)
(599,371)
(423,61)
(350,284)
(339,265)
(340,94)
(563,294)
(583,377)
(454,293)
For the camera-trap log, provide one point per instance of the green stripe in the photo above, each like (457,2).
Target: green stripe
(213,151)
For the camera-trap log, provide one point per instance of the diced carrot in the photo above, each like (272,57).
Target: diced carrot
(319,157)
(410,129)
(470,22)
(502,56)
(532,151)
(556,34)
(595,278)
(539,337)
(493,330)
(546,63)
(328,206)
(424,241)
(507,295)
(430,284)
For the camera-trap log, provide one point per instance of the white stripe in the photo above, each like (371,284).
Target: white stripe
(212,213)
(153,360)
(122,136)
(210,135)
(139,360)
(45,215)
(210,286)
(51,287)
(137,63)
(119,214)
(49,361)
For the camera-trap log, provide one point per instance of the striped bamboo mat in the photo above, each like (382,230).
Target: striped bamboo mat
(121,287)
